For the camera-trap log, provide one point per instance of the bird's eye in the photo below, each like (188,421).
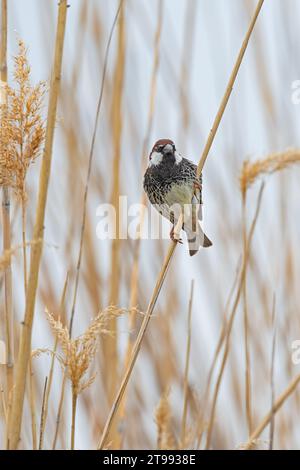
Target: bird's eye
(160,148)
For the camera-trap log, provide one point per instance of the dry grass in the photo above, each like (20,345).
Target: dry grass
(217,362)
(273,163)
(79,353)
(23,129)
(36,252)
(163,420)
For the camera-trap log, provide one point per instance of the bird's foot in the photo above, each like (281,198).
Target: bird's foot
(197,186)
(175,236)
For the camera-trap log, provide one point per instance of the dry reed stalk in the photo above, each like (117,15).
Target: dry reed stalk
(6,216)
(32,406)
(229,89)
(186,369)
(264,79)
(36,251)
(134,280)
(5,258)
(251,171)
(277,405)
(185,72)
(216,355)
(272,421)
(163,419)
(42,425)
(74,408)
(4,406)
(137,346)
(246,324)
(231,319)
(110,343)
(90,162)
(59,411)
(172,247)
(51,371)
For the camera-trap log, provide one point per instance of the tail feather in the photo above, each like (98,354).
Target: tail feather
(196,239)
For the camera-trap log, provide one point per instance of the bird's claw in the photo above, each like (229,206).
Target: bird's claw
(174,237)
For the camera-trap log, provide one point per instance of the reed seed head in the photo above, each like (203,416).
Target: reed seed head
(22,130)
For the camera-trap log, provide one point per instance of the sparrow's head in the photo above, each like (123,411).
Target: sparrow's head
(163,150)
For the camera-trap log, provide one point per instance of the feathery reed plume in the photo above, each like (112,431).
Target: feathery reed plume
(251,171)
(78,353)
(23,131)
(36,251)
(171,250)
(23,128)
(163,419)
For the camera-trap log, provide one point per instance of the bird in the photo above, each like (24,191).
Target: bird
(172,186)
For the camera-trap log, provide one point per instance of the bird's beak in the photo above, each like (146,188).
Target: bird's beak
(168,149)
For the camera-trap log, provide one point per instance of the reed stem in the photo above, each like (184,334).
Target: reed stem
(38,232)
(6,225)
(74,406)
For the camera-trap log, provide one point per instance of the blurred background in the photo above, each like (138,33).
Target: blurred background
(188,48)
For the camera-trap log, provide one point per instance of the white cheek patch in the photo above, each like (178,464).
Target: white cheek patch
(178,158)
(156,159)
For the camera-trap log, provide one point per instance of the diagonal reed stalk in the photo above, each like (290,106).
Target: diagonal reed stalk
(229,89)
(6,224)
(217,351)
(268,417)
(42,420)
(172,247)
(231,319)
(36,251)
(186,369)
